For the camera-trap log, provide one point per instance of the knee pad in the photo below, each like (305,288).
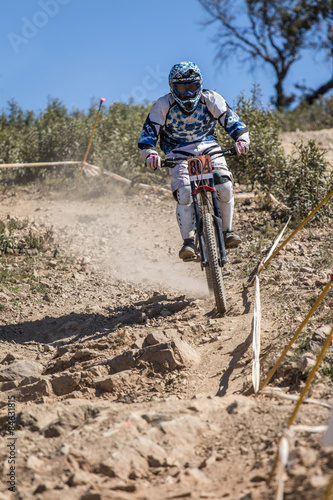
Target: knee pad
(183,195)
(224,192)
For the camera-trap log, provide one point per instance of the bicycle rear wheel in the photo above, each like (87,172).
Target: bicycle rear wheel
(213,270)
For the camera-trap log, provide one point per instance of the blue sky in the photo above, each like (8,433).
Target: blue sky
(79,50)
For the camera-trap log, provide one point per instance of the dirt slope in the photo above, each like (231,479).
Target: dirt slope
(322,137)
(126,383)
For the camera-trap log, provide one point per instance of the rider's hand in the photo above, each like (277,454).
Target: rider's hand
(153,161)
(241,147)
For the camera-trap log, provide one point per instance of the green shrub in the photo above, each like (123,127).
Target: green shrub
(266,156)
(307,181)
(6,242)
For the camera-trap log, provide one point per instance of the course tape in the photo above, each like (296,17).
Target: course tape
(42,164)
(328,436)
(286,443)
(256,338)
(275,244)
(277,391)
(309,428)
(128,182)
(89,170)
(257,318)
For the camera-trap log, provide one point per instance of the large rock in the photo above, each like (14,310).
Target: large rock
(35,463)
(66,383)
(52,420)
(125,464)
(164,357)
(184,429)
(7,386)
(155,338)
(320,335)
(154,453)
(11,357)
(122,362)
(20,370)
(37,417)
(306,362)
(116,381)
(69,420)
(169,356)
(32,391)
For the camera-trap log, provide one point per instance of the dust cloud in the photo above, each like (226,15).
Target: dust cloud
(134,241)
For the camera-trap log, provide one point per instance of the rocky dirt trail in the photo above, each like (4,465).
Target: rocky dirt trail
(126,383)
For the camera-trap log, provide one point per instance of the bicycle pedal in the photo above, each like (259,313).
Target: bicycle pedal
(191,258)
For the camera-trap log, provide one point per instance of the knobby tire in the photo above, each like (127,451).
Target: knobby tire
(213,270)
(209,280)
(204,208)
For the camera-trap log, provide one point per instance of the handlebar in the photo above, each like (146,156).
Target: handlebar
(171,162)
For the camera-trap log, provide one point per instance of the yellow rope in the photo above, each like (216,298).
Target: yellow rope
(91,136)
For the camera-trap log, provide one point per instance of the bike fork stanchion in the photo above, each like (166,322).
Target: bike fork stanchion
(223,256)
(218,223)
(198,224)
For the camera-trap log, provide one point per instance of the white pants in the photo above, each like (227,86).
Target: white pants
(180,183)
(179,173)
(185,210)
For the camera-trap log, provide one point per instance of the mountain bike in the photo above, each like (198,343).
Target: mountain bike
(210,248)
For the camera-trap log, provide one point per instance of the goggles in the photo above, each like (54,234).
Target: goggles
(186,89)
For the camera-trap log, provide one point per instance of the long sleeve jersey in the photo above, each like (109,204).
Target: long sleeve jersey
(177,129)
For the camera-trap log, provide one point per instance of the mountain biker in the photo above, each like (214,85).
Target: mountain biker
(185,121)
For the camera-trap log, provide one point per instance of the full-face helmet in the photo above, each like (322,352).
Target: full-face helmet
(185,80)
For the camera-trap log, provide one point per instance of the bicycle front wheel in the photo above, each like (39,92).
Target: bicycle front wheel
(213,270)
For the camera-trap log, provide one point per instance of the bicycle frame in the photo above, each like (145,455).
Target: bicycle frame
(207,186)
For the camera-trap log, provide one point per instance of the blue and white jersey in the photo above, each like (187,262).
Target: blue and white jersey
(177,129)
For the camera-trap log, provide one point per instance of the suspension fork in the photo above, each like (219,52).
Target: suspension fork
(218,224)
(198,223)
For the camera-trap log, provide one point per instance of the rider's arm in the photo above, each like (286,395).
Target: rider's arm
(152,126)
(227,117)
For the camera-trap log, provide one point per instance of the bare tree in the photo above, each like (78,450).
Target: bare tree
(275,32)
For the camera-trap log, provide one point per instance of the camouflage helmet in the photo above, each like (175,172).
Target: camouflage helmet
(185,80)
